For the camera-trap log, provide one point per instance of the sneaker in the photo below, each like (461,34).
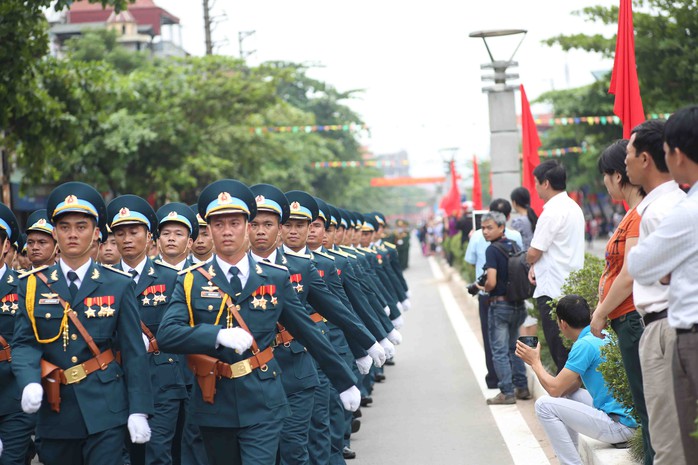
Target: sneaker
(522,393)
(502,399)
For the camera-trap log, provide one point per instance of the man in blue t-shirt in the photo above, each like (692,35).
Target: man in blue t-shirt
(569,410)
(504,316)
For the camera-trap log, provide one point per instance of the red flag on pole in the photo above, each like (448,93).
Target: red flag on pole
(477,186)
(450,203)
(530,158)
(624,83)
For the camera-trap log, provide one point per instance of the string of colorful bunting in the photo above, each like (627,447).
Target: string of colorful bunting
(360,163)
(589,120)
(347,127)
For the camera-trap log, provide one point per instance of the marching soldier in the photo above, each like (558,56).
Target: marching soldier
(300,377)
(41,246)
(132,221)
(16,426)
(108,251)
(224,313)
(178,228)
(390,249)
(202,249)
(72,317)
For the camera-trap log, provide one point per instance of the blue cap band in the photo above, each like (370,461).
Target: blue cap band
(129,216)
(74,205)
(269,204)
(174,216)
(231,203)
(6,227)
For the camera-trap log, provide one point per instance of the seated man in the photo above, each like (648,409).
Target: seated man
(569,410)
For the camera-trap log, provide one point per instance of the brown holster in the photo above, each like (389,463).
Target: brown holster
(209,369)
(5,354)
(52,376)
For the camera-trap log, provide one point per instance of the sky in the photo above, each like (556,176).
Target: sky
(419,70)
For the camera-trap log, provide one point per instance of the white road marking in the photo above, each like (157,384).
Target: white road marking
(520,441)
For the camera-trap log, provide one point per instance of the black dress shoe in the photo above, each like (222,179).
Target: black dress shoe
(348,454)
(379,377)
(357,414)
(355,425)
(390,361)
(366,401)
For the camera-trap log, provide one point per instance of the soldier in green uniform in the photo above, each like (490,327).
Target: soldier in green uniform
(41,246)
(177,231)
(225,314)
(108,251)
(300,378)
(390,249)
(72,317)
(16,426)
(133,220)
(202,248)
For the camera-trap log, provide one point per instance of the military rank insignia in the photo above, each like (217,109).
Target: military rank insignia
(103,306)
(380,259)
(259,299)
(339,272)
(154,295)
(296,282)
(9,303)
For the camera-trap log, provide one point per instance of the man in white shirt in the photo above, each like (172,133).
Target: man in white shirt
(557,248)
(670,255)
(646,167)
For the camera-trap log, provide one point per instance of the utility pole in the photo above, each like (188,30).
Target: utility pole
(207,28)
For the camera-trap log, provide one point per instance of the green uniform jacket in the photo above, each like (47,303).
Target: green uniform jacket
(391,249)
(259,396)
(10,394)
(104,399)
(366,260)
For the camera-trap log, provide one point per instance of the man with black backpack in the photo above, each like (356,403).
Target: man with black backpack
(507,284)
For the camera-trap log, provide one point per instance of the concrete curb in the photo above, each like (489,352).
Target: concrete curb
(593,452)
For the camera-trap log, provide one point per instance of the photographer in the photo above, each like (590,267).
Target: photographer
(569,410)
(505,316)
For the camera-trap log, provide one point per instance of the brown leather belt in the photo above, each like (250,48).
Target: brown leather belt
(283,337)
(5,354)
(317,318)
(245,367)
(652,317)
(152,342)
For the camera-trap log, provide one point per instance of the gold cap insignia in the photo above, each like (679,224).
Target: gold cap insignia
(199,219)
(41,222)
(295,206)
(259,199)
(124,212)
(223,198)
(71,200)
(172,214)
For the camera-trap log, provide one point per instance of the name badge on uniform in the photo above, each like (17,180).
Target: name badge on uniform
(210,291)
(49,299)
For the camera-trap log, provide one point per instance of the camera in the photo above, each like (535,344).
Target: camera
(473,289)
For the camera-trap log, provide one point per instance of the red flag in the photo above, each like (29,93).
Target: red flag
(477,186)
(450,203)
(530,159)
(624,83)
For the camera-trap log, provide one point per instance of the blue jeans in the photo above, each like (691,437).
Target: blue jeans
(504,320)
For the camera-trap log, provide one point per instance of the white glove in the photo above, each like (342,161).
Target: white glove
(351,399)
(386,309)
(408,293)
(395,337)
(388,347)
(0,448)
(377,353)
(406,304)
(146,341)
(364,364)
(138,428)
(234,338)
(398,322)
(31,397)
(400,307)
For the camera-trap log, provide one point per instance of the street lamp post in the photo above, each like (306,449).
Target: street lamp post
(504,135)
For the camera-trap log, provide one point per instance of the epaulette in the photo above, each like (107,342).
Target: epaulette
(390,244)
(32,271)
(193,267)
(281,267)
(325,255)
(340,253)
(111,268)
(354,250)
(165,264)
(296,254)
(364,249)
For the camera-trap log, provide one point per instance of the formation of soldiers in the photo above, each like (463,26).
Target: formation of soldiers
(245,329)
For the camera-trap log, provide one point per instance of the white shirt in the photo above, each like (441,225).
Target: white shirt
(138,268)
(560,236)
(196,260)
(654,297)
(243,267)
(672,249)
(257,258)
(81,272)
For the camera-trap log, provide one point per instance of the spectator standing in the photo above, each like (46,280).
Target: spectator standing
(568,410)
(525,219)
(670,254)
(616,284)
(475,255)
(646,166)
(557,248)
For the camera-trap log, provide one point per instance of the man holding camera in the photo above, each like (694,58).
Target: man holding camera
(505,316)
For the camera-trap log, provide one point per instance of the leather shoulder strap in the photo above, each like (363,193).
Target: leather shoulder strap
(74,318)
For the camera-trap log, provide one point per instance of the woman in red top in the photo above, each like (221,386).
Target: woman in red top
(616,284)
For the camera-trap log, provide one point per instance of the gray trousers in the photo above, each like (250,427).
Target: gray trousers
(686,390)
